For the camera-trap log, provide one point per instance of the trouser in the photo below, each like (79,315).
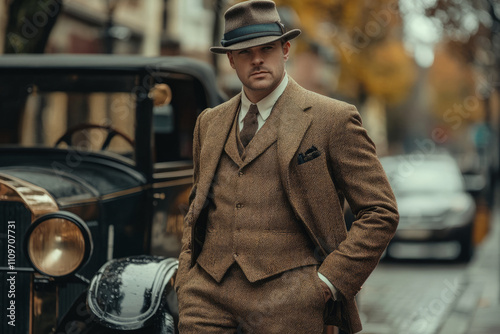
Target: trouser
(291,302)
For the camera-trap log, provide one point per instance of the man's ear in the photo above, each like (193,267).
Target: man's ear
(230,57)
(286,50)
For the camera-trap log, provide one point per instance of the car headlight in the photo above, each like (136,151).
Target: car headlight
(460,204)
(461,211)
(58,244)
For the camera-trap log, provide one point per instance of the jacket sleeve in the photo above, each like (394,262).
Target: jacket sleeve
(359,177)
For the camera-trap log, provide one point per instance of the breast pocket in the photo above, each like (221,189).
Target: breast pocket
(313,166)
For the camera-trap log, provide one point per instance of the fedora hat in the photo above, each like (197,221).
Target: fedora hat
(252,23)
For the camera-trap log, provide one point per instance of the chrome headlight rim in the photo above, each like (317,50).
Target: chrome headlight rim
(72,218)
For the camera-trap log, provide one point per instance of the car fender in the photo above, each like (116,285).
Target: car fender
(135,292)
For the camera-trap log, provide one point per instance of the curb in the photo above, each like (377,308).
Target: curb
(461,316)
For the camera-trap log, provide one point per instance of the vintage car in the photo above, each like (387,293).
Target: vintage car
(95,174)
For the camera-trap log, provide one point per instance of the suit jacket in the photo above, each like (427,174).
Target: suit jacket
(324,156)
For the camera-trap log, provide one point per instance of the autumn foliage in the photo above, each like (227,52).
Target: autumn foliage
(366,36)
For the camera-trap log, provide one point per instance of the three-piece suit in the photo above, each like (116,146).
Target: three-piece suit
(278,205)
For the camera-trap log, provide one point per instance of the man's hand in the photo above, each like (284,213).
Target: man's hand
(326,291)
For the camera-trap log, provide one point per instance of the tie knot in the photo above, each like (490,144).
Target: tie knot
(253,109)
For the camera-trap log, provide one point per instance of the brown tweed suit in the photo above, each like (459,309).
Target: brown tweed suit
(346,168)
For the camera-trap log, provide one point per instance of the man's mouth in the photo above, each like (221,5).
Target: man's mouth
(258,72)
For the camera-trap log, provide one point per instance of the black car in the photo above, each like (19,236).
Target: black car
(95,166)
(436,212)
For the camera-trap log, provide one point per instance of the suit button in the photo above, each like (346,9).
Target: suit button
(239,205)
(235,255)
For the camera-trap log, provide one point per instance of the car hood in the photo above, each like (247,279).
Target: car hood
(431,204)
(59,185)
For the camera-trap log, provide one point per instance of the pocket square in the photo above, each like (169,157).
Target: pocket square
(310,154)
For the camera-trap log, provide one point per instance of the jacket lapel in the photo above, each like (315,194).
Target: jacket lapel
(294,122)
(231,146)
(211,150)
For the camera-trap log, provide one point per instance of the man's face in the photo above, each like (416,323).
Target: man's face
(261,68)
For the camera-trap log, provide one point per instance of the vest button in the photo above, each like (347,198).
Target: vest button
(240,173)
(239,205)
(235,255)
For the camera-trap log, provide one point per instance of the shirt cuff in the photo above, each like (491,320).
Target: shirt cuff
(335,292)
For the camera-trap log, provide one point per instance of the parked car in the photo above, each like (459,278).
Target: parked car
(436,212)
(95,174)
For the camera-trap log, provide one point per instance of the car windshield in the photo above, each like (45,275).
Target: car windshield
(427,176)
(47,116)
(38,111)
(78,110)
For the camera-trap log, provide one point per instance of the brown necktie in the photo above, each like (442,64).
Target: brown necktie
(250,125)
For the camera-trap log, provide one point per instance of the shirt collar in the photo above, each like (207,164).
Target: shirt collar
(266,104)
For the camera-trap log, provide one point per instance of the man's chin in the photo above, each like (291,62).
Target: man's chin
(260,85)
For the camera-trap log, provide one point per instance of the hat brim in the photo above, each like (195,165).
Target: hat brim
(256,42)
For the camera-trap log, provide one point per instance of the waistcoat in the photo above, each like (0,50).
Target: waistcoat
(250,220)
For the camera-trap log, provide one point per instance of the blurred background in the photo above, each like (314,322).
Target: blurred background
(417,70)
(424,75)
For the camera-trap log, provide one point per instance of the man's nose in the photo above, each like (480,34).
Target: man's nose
(257,58)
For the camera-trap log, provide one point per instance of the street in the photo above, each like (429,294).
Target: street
(409,298)
(429,297)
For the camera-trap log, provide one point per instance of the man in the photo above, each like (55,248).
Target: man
(265,247)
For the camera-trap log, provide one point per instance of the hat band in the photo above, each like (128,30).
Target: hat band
(251,32)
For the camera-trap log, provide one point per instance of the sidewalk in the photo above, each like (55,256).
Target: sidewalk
(478,309)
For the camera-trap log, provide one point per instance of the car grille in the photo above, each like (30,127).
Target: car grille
(17,212)
(429,221)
